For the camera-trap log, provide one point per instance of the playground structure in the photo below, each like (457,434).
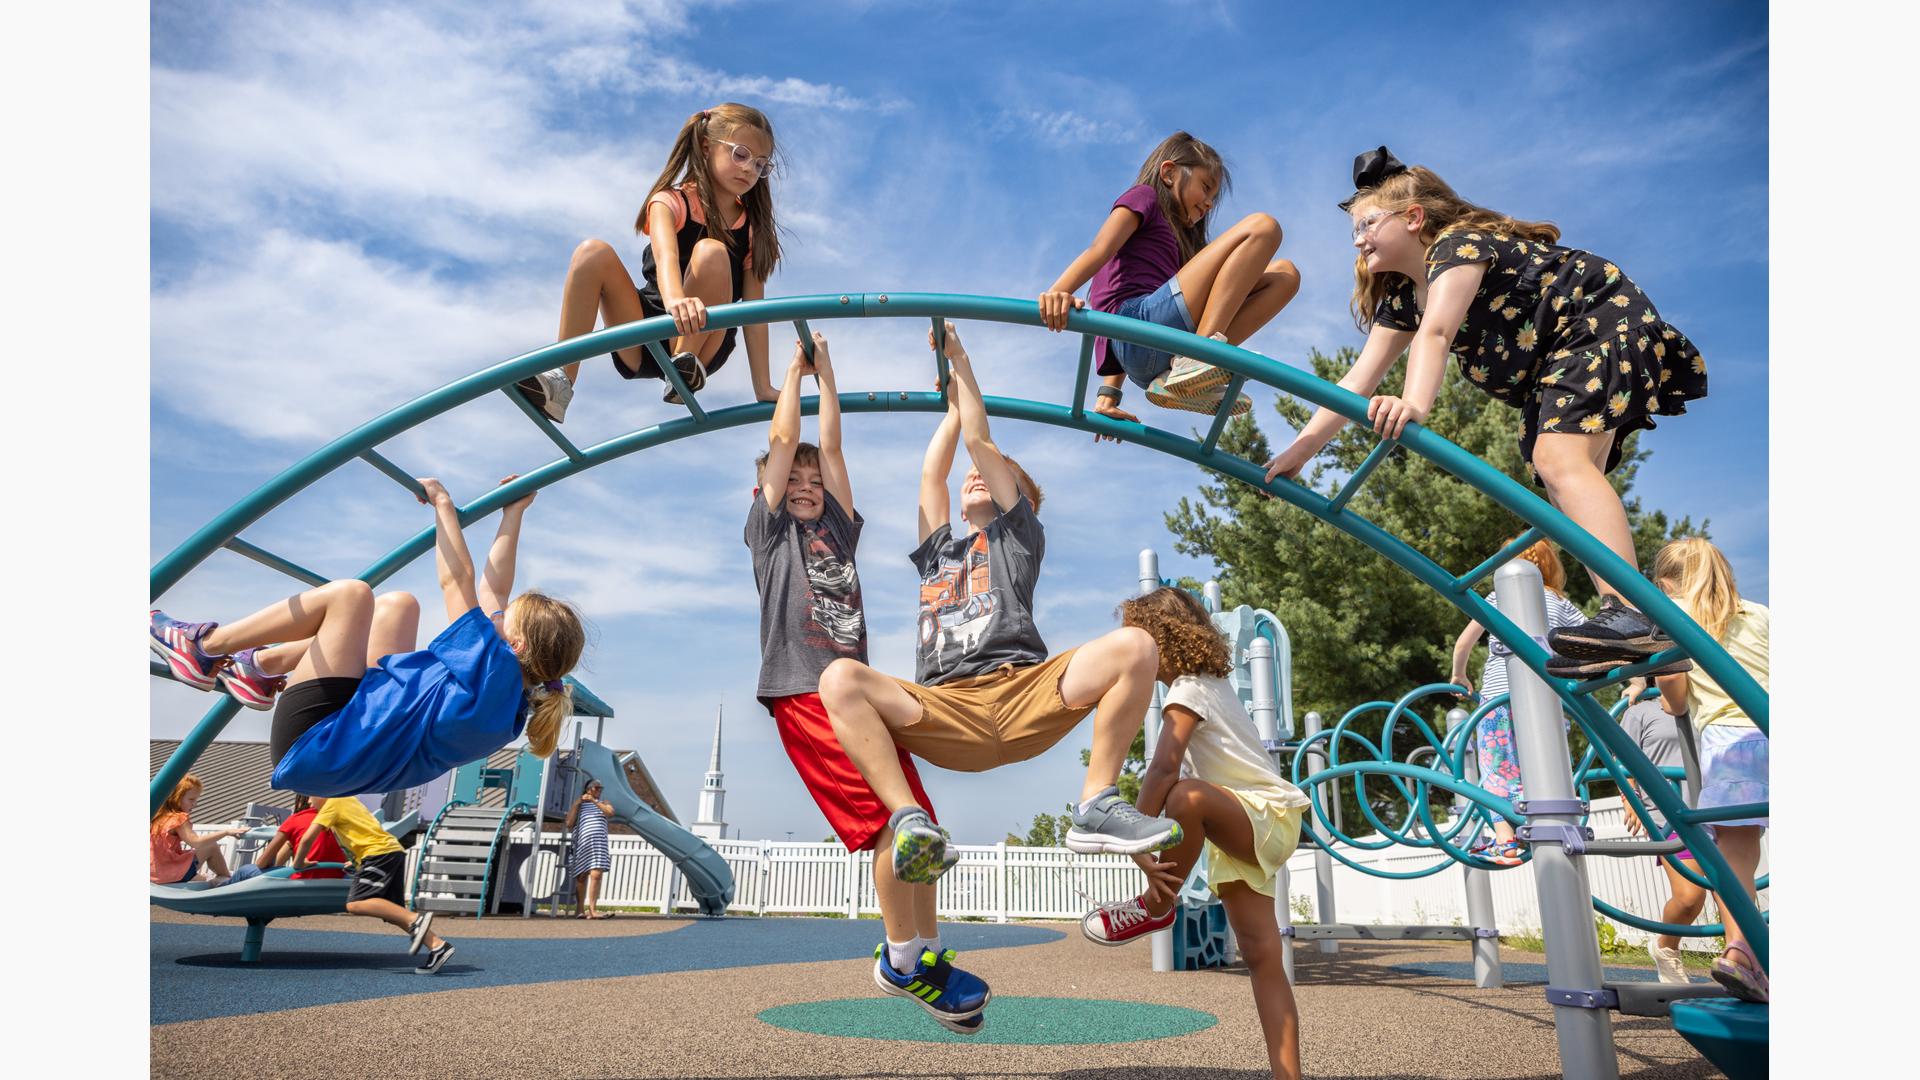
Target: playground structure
(1552,814)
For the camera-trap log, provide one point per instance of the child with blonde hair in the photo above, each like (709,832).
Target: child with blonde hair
(1559,333)
(1152,260)
(179,852)
(1733,750)
(711,239)
(359,707)
(1211,773)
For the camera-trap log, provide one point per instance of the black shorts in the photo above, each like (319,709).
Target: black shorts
(380,877)
(650,368)
(303,705)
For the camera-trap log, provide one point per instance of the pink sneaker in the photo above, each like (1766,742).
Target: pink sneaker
(1120,922)
(177,643)
(247,684)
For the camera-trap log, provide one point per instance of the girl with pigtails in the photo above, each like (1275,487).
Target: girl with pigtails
(1559,333)
(357,706)
(711,239)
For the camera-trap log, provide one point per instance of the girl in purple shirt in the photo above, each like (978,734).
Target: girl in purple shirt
(1151,260)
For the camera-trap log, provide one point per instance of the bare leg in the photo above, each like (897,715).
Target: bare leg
(1572,465)
(579,894)
(1261,946)
(598,285)
(709,277)
(337,617)
(593,893)
(280,659)
(393,915)
(1218,278)
(898,908)
(396,626)
(926,917)
(1684,905)
(1116,670)
(1205,812)
(209,853)
(1274,290)
(866,708)
(1740,846)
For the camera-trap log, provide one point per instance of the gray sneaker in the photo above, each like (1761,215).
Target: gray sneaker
(550,392)
(920,853)
(1112,824)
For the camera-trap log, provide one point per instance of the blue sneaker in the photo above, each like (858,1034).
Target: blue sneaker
(178,644)
(955,999)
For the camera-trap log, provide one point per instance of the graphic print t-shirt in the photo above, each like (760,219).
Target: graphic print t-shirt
(976,598)
(810,612)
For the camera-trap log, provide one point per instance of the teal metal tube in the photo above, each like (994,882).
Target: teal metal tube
(1499,559)
(267,558)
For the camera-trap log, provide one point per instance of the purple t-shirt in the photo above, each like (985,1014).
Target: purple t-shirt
(1144,263)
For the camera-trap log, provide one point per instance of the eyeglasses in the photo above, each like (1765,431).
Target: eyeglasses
(743,155)
(1366,225)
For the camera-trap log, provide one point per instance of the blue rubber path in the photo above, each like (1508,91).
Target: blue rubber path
(1512,974)
(1011,1021)
(197,973)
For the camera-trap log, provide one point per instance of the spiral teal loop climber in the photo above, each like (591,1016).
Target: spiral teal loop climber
(1620,756)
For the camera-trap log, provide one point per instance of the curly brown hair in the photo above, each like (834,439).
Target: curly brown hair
(1189,642)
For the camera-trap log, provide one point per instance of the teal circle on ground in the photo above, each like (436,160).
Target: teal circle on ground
(1016,1021)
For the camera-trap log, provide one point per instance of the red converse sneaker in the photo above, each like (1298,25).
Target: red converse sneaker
(1120,922)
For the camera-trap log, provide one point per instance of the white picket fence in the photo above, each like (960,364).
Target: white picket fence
(999,882)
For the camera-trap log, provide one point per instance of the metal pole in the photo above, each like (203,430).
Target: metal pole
(1553,832)
(539,834)
(1323,862)
(1479,883)
(1161,941)
(1210,594)
(1265,713)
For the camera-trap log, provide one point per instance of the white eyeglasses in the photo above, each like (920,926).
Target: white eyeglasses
(743,155)
(1365,225)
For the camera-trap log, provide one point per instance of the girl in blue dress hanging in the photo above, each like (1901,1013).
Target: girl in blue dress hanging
(357,706)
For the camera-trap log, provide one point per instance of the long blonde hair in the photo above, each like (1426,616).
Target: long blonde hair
(1700,580)
(188,784)
(1422,187)
(552,639)
(687,160)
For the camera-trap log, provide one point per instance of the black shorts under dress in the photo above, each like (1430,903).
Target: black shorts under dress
(1562,334)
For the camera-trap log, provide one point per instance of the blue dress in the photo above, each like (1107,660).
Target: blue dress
(415,716)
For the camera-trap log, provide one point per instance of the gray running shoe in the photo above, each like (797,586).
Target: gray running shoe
(1112,824)
(549,391)
(920,853)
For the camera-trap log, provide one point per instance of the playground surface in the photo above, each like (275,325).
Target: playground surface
(651,996)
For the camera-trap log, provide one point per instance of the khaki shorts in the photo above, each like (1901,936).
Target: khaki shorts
(981,723)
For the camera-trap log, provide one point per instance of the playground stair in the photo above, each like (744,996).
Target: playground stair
(455,872)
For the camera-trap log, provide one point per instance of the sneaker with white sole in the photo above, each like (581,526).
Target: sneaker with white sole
(1112,824)
(418,931)
(435,960)
(1207,403)
(245,683)
(954,998)
(1122,921)
(1667,963)
(1616,632)
(920,851)
(691,371)
(549,391)
(178,643)
(1189,377)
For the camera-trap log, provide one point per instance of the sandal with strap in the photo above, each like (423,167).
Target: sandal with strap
(1742,978)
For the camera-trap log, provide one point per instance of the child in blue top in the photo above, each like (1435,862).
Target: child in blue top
(360,708)
(1151,260)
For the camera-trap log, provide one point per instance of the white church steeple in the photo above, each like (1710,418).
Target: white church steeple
(712,823)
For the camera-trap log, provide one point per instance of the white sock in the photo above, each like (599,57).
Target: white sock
(901,955)
(931,944)
(1088,805)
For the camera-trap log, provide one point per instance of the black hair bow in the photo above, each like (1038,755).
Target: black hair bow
(1370,169)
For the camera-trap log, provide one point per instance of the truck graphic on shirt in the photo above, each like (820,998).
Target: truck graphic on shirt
(956,605)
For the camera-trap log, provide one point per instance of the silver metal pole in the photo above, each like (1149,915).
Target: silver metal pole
(1553,832)
(1210,593)
(1162,941)
(1265,713)
(539,834)
(1479,883)
(1323,862)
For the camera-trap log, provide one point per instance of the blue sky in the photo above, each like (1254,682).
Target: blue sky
(352,204)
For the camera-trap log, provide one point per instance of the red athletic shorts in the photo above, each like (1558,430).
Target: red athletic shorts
(844,796)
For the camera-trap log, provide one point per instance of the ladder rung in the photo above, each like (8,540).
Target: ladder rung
(1227,401)
(672,374)
(267,558)
(806,336)
(1360,474)
(545,425)
(399,476)
(1080,380)
(1501,558)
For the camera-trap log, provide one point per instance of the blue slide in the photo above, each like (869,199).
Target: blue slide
(708,876)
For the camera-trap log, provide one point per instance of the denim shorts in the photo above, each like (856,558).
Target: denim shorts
(1164,306)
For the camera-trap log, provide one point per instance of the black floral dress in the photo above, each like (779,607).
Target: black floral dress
(1561,333)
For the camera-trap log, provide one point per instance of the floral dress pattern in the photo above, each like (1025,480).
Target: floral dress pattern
(1562,334)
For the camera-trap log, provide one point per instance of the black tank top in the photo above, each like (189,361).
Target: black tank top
(692,232)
